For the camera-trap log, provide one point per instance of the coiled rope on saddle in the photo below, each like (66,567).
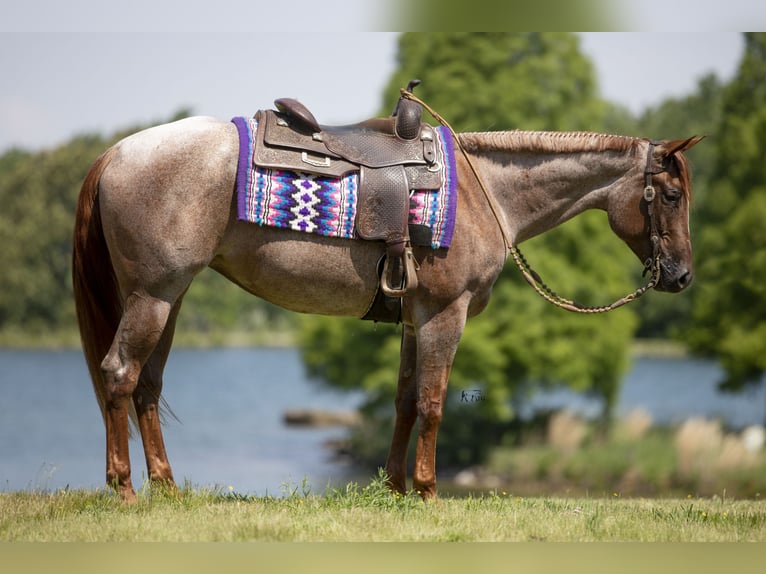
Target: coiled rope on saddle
(533,278)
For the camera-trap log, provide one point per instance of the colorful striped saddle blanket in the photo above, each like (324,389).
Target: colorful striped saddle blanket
(327,206)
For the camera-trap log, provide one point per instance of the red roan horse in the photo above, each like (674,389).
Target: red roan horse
(159,206)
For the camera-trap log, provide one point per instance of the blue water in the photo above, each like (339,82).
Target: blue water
(671,390)
(231,402)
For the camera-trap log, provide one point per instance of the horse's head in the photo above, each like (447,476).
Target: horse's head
(653,218)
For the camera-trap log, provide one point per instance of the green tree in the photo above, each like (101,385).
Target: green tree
(38,194)
(497,81)
(729,315)
(520,343)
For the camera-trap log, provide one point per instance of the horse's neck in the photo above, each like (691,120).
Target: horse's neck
(538,187)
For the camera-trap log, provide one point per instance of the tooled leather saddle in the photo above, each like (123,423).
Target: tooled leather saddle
(392,156)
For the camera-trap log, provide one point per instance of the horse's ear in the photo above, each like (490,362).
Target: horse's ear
(673,146)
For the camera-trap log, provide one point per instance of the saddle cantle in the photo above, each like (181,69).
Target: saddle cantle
(392,156)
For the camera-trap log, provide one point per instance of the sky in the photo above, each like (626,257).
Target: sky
(55,85)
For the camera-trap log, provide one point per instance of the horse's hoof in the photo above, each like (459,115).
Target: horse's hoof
(128,496)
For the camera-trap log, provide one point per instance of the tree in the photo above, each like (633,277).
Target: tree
(497,81)
(38,194)
(729,315)
(520,343)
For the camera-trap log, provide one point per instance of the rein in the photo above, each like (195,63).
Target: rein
(652,264)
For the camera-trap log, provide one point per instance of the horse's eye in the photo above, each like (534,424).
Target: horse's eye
(671,195)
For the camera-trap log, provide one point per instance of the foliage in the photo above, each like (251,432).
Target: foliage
(38,194)
(492,82)
(519,15)
(729,315)
(724,316)
(497,81)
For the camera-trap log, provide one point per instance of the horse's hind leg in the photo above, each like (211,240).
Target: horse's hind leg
(142,324)
(146,400)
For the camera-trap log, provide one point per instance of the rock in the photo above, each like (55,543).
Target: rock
(319,418)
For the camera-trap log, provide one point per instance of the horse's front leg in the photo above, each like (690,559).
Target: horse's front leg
(437,341)
(406,413)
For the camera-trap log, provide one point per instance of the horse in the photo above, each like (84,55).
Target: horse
(158,207)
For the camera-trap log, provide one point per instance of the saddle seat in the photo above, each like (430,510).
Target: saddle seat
(392,155)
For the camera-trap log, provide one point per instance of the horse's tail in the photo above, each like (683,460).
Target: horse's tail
(96,294)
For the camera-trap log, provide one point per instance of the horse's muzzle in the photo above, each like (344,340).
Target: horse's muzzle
(674,279)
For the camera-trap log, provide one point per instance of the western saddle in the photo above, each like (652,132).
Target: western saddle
(392,156)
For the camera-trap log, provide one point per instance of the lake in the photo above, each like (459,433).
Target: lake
(231,402)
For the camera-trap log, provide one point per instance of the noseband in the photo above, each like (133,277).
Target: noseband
(652,264)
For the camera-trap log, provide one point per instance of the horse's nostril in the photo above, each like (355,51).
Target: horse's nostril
(685,279)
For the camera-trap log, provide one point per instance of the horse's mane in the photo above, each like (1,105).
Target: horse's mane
(563,142)
(546,142)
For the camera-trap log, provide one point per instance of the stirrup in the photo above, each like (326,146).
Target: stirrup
(409,280)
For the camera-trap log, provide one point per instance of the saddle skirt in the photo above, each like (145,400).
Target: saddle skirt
(327,205)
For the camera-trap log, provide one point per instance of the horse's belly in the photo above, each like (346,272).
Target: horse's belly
(301,272)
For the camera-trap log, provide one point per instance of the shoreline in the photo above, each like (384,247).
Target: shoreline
(12,339)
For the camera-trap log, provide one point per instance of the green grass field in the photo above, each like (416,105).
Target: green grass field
(371,514)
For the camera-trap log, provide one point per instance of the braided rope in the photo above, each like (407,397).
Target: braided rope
(527,272)
(554,298)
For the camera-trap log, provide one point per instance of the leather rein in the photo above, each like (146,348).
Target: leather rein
(652,264)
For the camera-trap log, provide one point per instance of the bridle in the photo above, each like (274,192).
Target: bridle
(652,264)
(649,196)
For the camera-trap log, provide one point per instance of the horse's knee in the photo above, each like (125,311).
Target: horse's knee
(430,413)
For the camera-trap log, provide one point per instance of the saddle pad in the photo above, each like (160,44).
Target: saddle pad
(326,205)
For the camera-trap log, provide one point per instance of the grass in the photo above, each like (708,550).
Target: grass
(369,514)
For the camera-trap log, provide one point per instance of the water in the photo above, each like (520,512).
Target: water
(671,390)
(231,403)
